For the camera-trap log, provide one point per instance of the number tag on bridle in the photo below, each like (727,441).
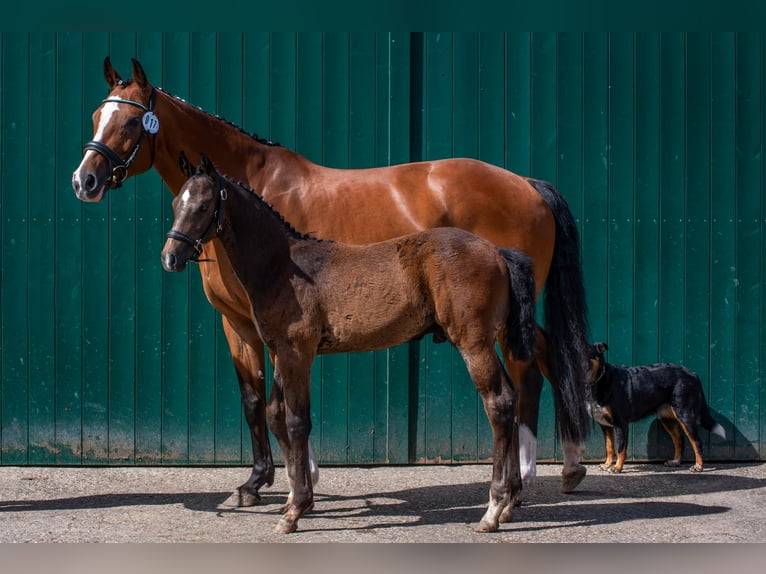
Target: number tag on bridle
(151,123)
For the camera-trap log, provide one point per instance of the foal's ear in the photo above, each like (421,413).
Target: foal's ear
(110,75)
(138,74)
(601,347)
(207,165)
(183,163)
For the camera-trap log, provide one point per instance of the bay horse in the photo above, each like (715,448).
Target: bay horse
(311,296)
(139,126)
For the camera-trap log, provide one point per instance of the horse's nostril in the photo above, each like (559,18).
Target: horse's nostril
(90,182)
(170,261)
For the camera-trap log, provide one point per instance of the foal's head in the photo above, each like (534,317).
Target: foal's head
(198,212)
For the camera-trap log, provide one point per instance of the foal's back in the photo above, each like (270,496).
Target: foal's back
(383,294)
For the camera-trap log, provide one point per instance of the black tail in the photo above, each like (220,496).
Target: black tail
(521,328)
(566,322)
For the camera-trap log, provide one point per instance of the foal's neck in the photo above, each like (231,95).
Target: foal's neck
(257,240)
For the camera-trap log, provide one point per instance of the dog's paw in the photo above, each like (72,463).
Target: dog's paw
(695,468)
(606,467)
(673,463)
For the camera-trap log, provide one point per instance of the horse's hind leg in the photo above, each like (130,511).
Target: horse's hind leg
(247,353)
(499,398)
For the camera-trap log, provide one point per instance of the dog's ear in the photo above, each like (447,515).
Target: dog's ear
(602,347)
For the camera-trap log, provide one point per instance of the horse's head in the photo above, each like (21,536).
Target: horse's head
(121,124)
(198,214)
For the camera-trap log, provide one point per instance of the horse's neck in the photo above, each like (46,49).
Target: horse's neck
(184,127)
(256,239)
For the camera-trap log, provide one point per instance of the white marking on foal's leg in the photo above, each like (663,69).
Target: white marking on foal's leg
(491,519)
(527,455)
(313,469)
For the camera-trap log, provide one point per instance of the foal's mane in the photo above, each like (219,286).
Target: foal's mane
(270,208)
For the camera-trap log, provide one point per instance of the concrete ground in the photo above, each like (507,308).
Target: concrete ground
(434,504)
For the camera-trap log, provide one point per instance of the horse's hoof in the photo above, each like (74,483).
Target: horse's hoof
(506,516)
(242,498)
(485,526)
(570,480)
(286,526)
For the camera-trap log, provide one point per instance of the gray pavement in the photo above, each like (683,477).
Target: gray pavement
(646,503)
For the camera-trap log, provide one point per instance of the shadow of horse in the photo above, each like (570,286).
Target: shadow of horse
(605,499)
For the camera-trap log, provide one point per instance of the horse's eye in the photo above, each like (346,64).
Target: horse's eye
(202,208)
(134,122)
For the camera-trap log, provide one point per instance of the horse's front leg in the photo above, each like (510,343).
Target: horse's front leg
(247,353)
(292,424)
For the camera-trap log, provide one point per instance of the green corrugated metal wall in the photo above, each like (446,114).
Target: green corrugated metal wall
(654,139)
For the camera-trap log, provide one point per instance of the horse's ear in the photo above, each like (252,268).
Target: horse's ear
(183,163)
(602,347)
(110,75)
(207,165)
(138,74)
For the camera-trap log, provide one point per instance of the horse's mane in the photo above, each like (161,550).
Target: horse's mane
(281,218)
(254,136)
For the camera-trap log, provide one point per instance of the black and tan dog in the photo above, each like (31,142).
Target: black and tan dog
(620,395)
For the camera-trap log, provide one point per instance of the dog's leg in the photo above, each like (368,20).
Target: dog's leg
(671,425)
(689,426)
(609,439)
(621,438)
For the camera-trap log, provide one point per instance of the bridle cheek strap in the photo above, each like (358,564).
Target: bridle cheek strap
(117,165)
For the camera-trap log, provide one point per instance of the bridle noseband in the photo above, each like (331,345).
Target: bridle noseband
(198,243)
(117,165)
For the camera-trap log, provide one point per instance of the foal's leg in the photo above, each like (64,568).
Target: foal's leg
(247,353)
(499,398)
(294,426)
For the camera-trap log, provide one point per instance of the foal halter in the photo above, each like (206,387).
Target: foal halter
(117,165)
(198,243)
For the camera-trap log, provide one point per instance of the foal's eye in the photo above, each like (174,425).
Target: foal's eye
(202,208)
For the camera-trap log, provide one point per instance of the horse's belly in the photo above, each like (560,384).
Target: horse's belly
(374,326)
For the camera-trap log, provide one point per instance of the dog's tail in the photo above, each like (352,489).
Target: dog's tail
(707,421)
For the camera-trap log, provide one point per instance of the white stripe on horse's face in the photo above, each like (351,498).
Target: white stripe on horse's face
(107,112)
(185,197)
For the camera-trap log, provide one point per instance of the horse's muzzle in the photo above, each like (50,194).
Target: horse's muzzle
(172,263)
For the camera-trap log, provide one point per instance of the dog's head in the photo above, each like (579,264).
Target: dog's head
(597,366)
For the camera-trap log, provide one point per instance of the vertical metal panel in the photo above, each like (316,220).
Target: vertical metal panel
(176,292)
(42,81)
(646,201)
(151,195)
(655,140)
(723,279)
(15,230)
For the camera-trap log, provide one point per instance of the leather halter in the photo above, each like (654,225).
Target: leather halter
(117,165)
(204,238)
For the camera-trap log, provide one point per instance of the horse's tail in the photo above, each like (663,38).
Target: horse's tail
(566,322)
(521,328)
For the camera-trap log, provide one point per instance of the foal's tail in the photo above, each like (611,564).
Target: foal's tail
(565,320)
(520,323)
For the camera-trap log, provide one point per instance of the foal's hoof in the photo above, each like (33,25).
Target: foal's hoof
(485,526)
(285,526)
(572,478)
(506,516)
(243,497)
